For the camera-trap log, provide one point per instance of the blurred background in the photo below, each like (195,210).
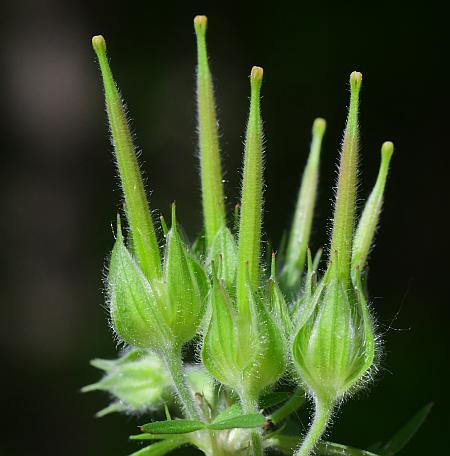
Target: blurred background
(59,194)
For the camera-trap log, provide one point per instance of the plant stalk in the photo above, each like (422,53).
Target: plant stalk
(250,405)
(173,361)
(322,414)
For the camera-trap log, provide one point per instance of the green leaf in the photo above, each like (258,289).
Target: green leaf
(173,427)
(288,443)
(406,433)
(151,436)
(230,412)
(161,448)
(251,420)
(272,399)
(335,449)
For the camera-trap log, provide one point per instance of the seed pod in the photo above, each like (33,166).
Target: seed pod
(162,314)
(246,355)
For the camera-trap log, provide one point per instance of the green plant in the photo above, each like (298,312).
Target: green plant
(252,327)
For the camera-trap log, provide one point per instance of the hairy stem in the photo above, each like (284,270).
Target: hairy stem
(322,414)
(173,361)
(250,405)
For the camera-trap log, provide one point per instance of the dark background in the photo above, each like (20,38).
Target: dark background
(59,194)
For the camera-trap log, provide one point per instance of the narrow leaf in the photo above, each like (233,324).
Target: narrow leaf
(161,448)
(230,412)
(173,427)
(406,433)
(288,443)
(335,449)
(251,420)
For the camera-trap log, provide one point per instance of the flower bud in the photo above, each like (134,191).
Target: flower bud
(137,380)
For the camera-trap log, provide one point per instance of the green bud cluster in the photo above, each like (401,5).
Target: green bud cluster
(255,321)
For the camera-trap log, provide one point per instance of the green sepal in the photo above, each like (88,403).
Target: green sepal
(220,341)
(161,448)
(135,305)
(277,304)
(186,284)
(137,380)
(224,254)
(262,352)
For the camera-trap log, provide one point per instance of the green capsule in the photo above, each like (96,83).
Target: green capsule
(164,313)
(246,355)
(334,344)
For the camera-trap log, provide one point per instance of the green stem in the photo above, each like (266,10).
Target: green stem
(250,405)
(210,166)
(322,414)
(295,402)
(174,364)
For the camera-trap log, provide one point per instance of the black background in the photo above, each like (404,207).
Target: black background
(59,193)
